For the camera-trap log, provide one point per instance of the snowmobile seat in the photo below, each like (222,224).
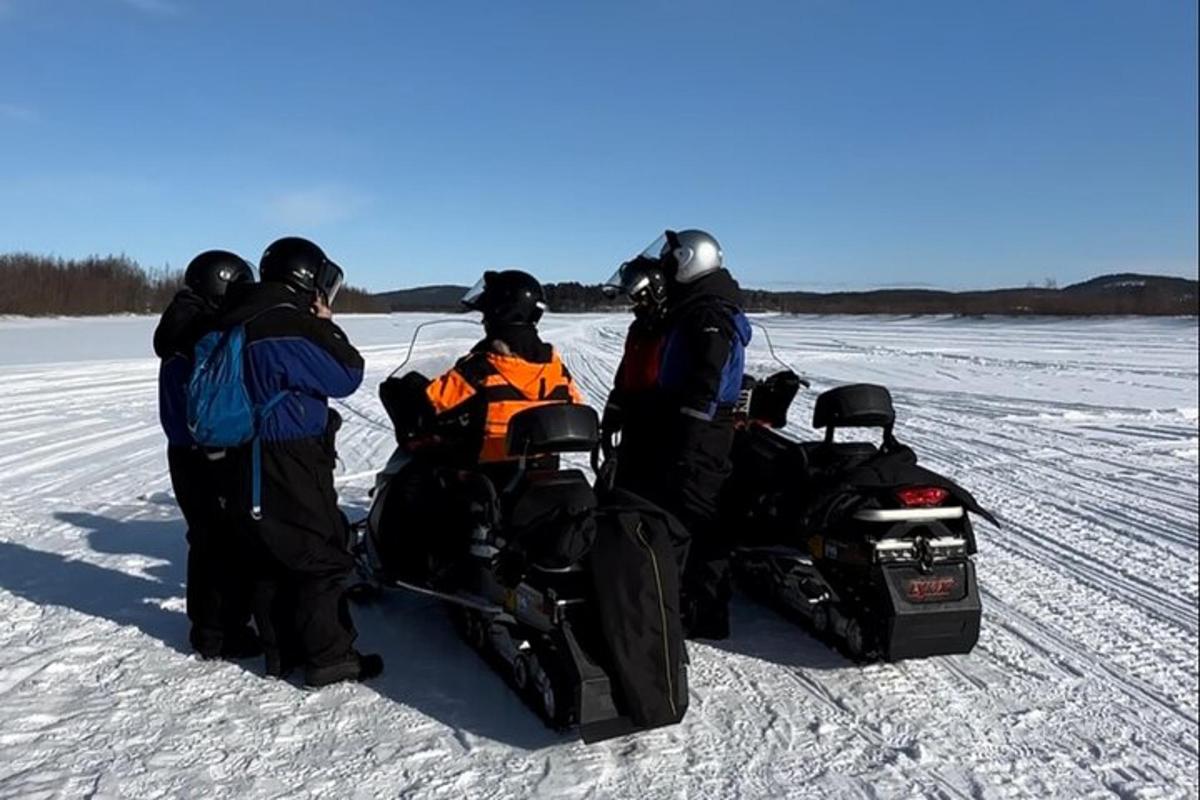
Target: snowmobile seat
(837,456)
(549,518)
(856,405)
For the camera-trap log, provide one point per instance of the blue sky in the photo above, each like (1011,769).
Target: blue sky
(825,142)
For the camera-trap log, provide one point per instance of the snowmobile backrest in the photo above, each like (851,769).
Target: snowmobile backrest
(857,405)
(553,428)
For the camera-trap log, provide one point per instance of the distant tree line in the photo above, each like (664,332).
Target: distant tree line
(32,285)
(1115,295)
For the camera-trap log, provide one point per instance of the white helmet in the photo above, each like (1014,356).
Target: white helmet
(686,256)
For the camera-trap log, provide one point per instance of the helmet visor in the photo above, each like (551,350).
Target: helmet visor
(657,249)
(328,280)
(631,279)
(473,295)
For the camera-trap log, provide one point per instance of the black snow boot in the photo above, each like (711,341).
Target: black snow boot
(355,667)
(240,644)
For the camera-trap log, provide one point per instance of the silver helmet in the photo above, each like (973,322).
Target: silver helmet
(686,256)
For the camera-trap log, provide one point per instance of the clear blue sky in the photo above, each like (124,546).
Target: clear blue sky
(825,142)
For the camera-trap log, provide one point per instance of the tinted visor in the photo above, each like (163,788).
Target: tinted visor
(630,279)
(657,249)
(328,280)
(471,298)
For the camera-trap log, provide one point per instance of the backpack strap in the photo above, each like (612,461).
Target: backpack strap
(256,454)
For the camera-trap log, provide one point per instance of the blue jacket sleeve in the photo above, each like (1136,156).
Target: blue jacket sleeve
(323,363)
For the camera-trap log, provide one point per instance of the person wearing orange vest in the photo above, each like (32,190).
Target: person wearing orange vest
(459,424)
(510,370)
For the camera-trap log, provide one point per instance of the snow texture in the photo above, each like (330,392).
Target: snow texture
(1080,435)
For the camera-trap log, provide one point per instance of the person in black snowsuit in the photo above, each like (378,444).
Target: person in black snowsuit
(300,536)
(218,589)
(679,432)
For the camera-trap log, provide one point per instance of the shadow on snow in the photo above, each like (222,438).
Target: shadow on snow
(427,666)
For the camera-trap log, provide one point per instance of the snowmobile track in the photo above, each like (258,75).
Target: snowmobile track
(1081,435)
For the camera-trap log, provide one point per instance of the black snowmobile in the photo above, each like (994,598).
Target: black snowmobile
(870,550)
(517,580)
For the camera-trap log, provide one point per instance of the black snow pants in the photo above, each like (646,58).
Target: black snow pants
(685,477)
(300,555)
(218,582)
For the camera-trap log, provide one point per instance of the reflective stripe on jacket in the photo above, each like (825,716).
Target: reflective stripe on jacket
(504,386)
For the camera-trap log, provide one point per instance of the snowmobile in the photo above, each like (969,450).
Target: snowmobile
(536,626)
(852,538)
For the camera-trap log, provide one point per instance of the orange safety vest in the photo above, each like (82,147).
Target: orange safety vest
(507,385)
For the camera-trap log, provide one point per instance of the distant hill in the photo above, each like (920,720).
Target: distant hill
(1125,293)
(423,298)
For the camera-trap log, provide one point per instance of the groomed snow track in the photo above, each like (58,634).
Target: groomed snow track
(1080,435)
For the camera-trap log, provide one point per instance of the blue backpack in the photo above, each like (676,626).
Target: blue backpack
(220,412)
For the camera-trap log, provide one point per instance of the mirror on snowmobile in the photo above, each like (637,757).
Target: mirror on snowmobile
(550,429)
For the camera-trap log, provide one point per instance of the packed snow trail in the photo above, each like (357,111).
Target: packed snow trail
(1080,435)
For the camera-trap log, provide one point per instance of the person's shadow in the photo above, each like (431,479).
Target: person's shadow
(426,665)
(48,578)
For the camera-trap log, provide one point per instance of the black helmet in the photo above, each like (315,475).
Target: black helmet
(303,266)
(210,273)
(641,280)
(507,297)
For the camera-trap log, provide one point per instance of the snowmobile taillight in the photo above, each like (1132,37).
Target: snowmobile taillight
(922,496)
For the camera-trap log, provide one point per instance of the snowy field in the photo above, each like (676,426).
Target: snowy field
(1080,435)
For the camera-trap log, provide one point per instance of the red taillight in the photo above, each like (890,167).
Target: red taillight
(922,496)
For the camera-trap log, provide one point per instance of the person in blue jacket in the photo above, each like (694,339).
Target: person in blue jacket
(673,406)
(218,590)
(300,537)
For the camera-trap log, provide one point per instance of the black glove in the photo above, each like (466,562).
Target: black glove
(509,567)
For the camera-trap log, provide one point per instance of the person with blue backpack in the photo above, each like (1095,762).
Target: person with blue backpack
(261,386)
(673,403)
(218,590)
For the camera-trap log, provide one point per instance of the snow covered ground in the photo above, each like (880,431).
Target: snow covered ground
(1080,435)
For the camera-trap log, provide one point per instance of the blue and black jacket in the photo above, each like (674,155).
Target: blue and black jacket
(704,351)
(185,320)
(691,361)
(675,392)
(290,350)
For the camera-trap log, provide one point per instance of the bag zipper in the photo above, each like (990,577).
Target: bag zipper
(662,610)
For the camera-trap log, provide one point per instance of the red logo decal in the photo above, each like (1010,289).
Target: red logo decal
(925,590)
